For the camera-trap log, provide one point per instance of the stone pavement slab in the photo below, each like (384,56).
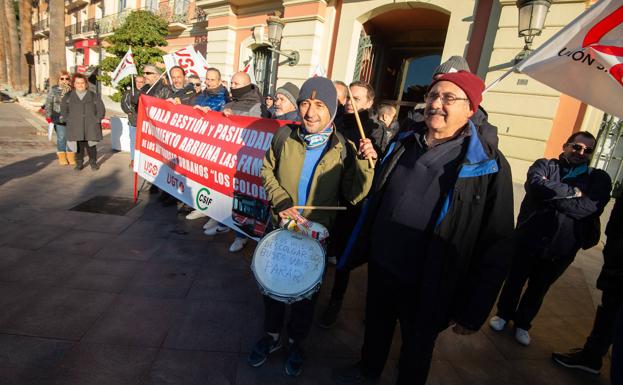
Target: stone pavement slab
(146,299)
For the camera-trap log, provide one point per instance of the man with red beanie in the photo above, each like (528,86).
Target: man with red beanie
(441,202)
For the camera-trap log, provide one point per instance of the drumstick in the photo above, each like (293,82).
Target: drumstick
(363,134)
(319,208)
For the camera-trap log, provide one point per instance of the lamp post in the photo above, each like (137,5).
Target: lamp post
(275,34)
(532,14)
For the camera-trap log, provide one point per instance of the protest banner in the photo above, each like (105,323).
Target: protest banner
(206,160)
(126,67)
(585,59)
(190,60)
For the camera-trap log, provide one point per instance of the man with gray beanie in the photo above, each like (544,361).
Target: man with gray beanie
(285,102)
(308,164)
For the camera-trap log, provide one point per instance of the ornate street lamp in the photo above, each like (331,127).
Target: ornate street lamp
(275,33)
(532,15)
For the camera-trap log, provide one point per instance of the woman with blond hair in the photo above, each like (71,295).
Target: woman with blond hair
(83,111)
(53,115)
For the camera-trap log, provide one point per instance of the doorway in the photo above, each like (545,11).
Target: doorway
(398,52)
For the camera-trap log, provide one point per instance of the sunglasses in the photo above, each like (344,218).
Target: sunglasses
(578,147)
(64,78)
(197,84)
(149,73)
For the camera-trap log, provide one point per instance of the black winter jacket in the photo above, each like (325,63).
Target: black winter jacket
(476,217)
(371,128)
(552,221)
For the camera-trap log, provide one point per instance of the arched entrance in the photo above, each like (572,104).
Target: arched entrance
(398,52)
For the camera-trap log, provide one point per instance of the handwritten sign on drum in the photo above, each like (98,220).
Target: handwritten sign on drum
(288,266)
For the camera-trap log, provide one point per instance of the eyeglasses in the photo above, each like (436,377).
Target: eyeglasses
(64,78)
(197,84)
(578,147)
(149,73)
(446,99)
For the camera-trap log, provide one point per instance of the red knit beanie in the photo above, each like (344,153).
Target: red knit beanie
(468,82)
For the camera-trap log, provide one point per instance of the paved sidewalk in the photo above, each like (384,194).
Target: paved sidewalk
(146,298)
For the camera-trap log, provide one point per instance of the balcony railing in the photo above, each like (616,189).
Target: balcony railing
(80,28)
(41,28)
(177,13)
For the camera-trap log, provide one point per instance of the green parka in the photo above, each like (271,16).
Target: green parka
(336,178)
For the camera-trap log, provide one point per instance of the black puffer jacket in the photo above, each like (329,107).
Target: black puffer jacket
(246,101)
(371,128)
(464,249)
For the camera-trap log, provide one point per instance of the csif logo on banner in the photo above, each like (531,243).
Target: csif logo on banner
(203,199)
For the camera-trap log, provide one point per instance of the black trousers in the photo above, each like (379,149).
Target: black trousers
(389,301)
(540,273)
(301,316)
(616,370)
(83,146)
(600,339)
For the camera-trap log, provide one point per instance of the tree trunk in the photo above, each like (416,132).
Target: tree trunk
(25,27)
(3,68)
(14,59)
(58,60)
(5,44)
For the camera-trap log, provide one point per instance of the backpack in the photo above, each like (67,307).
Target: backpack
(283,133)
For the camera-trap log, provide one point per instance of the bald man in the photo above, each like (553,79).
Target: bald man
(246,98)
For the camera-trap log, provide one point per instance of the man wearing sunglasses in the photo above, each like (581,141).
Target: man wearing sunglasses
(558,216)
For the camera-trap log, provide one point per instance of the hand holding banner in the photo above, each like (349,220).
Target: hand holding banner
(126,67)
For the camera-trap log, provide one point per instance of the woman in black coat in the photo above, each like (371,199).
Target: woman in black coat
(83,111)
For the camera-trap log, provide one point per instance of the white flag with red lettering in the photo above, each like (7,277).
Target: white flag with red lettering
(585,59)
(250,69)
(126,67)
(193,62)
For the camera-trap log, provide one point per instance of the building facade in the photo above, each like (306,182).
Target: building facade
(394,45)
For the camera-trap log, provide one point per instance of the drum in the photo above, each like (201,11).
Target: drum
(287,266)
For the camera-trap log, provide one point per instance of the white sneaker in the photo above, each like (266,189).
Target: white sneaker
(216,230)
(497,323)
(238,244)
(195,214)
(210,223)
(522,336)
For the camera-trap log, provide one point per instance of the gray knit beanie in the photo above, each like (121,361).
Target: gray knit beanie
(320,88)
(290,91)
(454,64)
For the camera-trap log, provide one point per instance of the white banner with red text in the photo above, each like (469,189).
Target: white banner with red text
(206,160)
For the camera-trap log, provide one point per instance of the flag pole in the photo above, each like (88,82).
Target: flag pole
(156,82)
(132,75)
(496,81)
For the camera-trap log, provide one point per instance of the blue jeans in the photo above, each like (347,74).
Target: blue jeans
(132,141)
(61,139)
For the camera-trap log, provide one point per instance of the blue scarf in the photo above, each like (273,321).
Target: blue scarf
(576,171)
(315,140)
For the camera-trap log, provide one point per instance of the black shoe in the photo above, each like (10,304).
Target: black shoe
(262,349)
(94,166)
(351,375)
(578,359)
(294,362)
(329,316)
(79,166)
